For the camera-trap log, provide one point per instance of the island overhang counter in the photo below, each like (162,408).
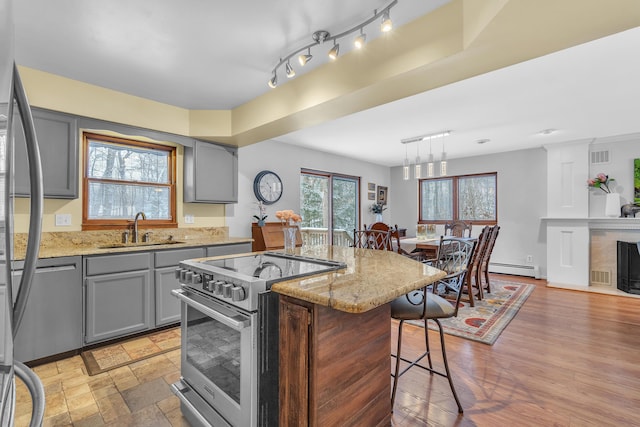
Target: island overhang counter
(335,336)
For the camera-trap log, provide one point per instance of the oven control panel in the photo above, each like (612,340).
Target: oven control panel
(217,285)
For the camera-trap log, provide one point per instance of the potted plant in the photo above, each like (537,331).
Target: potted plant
(262,216)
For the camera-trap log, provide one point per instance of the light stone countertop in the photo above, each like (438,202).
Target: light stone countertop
(372,278)
(73,243)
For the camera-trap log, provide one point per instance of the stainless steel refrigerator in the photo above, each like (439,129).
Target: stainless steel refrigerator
(15,111)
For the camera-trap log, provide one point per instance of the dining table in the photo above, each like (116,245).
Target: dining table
(428,245)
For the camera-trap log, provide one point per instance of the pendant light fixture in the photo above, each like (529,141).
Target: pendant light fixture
(321,36)
(430,162)
(443,161)
(405,165)
(417,168)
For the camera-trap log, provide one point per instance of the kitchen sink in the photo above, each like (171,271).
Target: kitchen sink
(139,245)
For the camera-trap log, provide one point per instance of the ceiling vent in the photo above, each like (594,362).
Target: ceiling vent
(599,157)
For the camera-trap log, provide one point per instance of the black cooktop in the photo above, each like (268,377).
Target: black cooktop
(275,266)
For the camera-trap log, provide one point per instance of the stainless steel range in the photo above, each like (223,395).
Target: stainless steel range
(229,371)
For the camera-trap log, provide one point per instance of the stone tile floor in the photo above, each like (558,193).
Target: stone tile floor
(134,395)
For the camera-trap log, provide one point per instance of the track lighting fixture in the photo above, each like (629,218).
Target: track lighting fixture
(333,53)
(321,36)
(430,164)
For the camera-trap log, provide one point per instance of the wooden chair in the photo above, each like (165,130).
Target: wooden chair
(372,239)
(422,305)
(483,270)
(458,229)
(472,282)
(395,234)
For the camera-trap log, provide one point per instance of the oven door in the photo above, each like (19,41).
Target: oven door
(219,356)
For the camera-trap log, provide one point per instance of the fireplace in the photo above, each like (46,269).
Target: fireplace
(629,267)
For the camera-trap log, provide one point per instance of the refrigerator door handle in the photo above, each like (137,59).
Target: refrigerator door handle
(36,185)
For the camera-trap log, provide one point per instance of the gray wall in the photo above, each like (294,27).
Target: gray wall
(522,177)
(286,160)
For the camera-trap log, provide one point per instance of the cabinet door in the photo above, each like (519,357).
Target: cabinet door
(118,304)
(52,322)
(210,173)
(167,306)
(58,140)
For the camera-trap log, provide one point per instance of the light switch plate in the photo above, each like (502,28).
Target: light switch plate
(63,220)
(188,219)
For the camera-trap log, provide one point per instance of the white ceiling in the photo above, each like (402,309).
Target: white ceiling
(218,54)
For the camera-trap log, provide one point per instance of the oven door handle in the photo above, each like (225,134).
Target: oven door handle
(236,324)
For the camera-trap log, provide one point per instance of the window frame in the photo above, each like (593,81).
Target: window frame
(456,214)
(112,223)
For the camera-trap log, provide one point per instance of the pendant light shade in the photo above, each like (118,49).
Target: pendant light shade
(405,166)
(417,168)
(430,162)
(443,162)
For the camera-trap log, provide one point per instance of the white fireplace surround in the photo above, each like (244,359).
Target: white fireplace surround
(581,241)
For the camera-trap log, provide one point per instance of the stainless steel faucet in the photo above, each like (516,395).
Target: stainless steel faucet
(134,239)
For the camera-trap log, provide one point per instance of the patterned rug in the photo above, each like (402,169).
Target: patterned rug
(113,356)
(490,316)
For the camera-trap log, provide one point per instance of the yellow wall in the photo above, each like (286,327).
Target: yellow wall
(61,94)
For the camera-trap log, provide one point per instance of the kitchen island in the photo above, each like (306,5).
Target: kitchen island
(335,336)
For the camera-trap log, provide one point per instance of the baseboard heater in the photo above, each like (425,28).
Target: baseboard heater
(516,269)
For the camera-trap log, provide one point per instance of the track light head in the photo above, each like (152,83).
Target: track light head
(289,70)
(333,53)
(303,59)
(274,81)
(360,40)
(387,24)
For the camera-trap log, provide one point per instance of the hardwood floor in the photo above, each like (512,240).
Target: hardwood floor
(568,358)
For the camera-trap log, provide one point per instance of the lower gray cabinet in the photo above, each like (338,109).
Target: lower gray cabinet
(118,304)
(52,322)
(166,262)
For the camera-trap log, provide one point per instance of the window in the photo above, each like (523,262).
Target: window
(471,198)
(329,202)
(123,177)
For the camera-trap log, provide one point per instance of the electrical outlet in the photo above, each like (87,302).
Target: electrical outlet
(529,259)
(63,220)
(188,219)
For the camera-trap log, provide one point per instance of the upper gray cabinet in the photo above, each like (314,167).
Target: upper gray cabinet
(58,139)
(210,173)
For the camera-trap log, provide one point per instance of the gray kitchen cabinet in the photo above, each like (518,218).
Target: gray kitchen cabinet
(58,139)
(166,262)
(210,173)
(119,294)
(52,323)
(229,249)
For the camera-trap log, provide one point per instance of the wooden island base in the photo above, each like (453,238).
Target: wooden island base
(334,366)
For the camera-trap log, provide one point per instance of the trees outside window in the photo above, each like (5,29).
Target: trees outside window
(471,198)
(122,177)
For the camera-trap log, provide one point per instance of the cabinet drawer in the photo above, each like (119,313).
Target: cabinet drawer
(173,257)
(117,263)
(236,248)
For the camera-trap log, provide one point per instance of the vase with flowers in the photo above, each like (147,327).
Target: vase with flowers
(290,223)
(612,201)
(377,209)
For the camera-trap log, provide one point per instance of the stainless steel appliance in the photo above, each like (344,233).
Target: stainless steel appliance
(14,110)
(229,371)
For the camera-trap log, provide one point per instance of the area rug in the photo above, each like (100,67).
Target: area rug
(490,316)
(113,356)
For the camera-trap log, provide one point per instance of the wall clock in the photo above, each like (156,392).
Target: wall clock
(267,186)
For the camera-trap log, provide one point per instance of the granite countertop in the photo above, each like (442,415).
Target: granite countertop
(59,244)
(372,278)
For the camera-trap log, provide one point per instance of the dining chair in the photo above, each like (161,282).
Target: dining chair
(372,239)
(483,270)
(423,305)
(473,287)
(458,229)
(395,236)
